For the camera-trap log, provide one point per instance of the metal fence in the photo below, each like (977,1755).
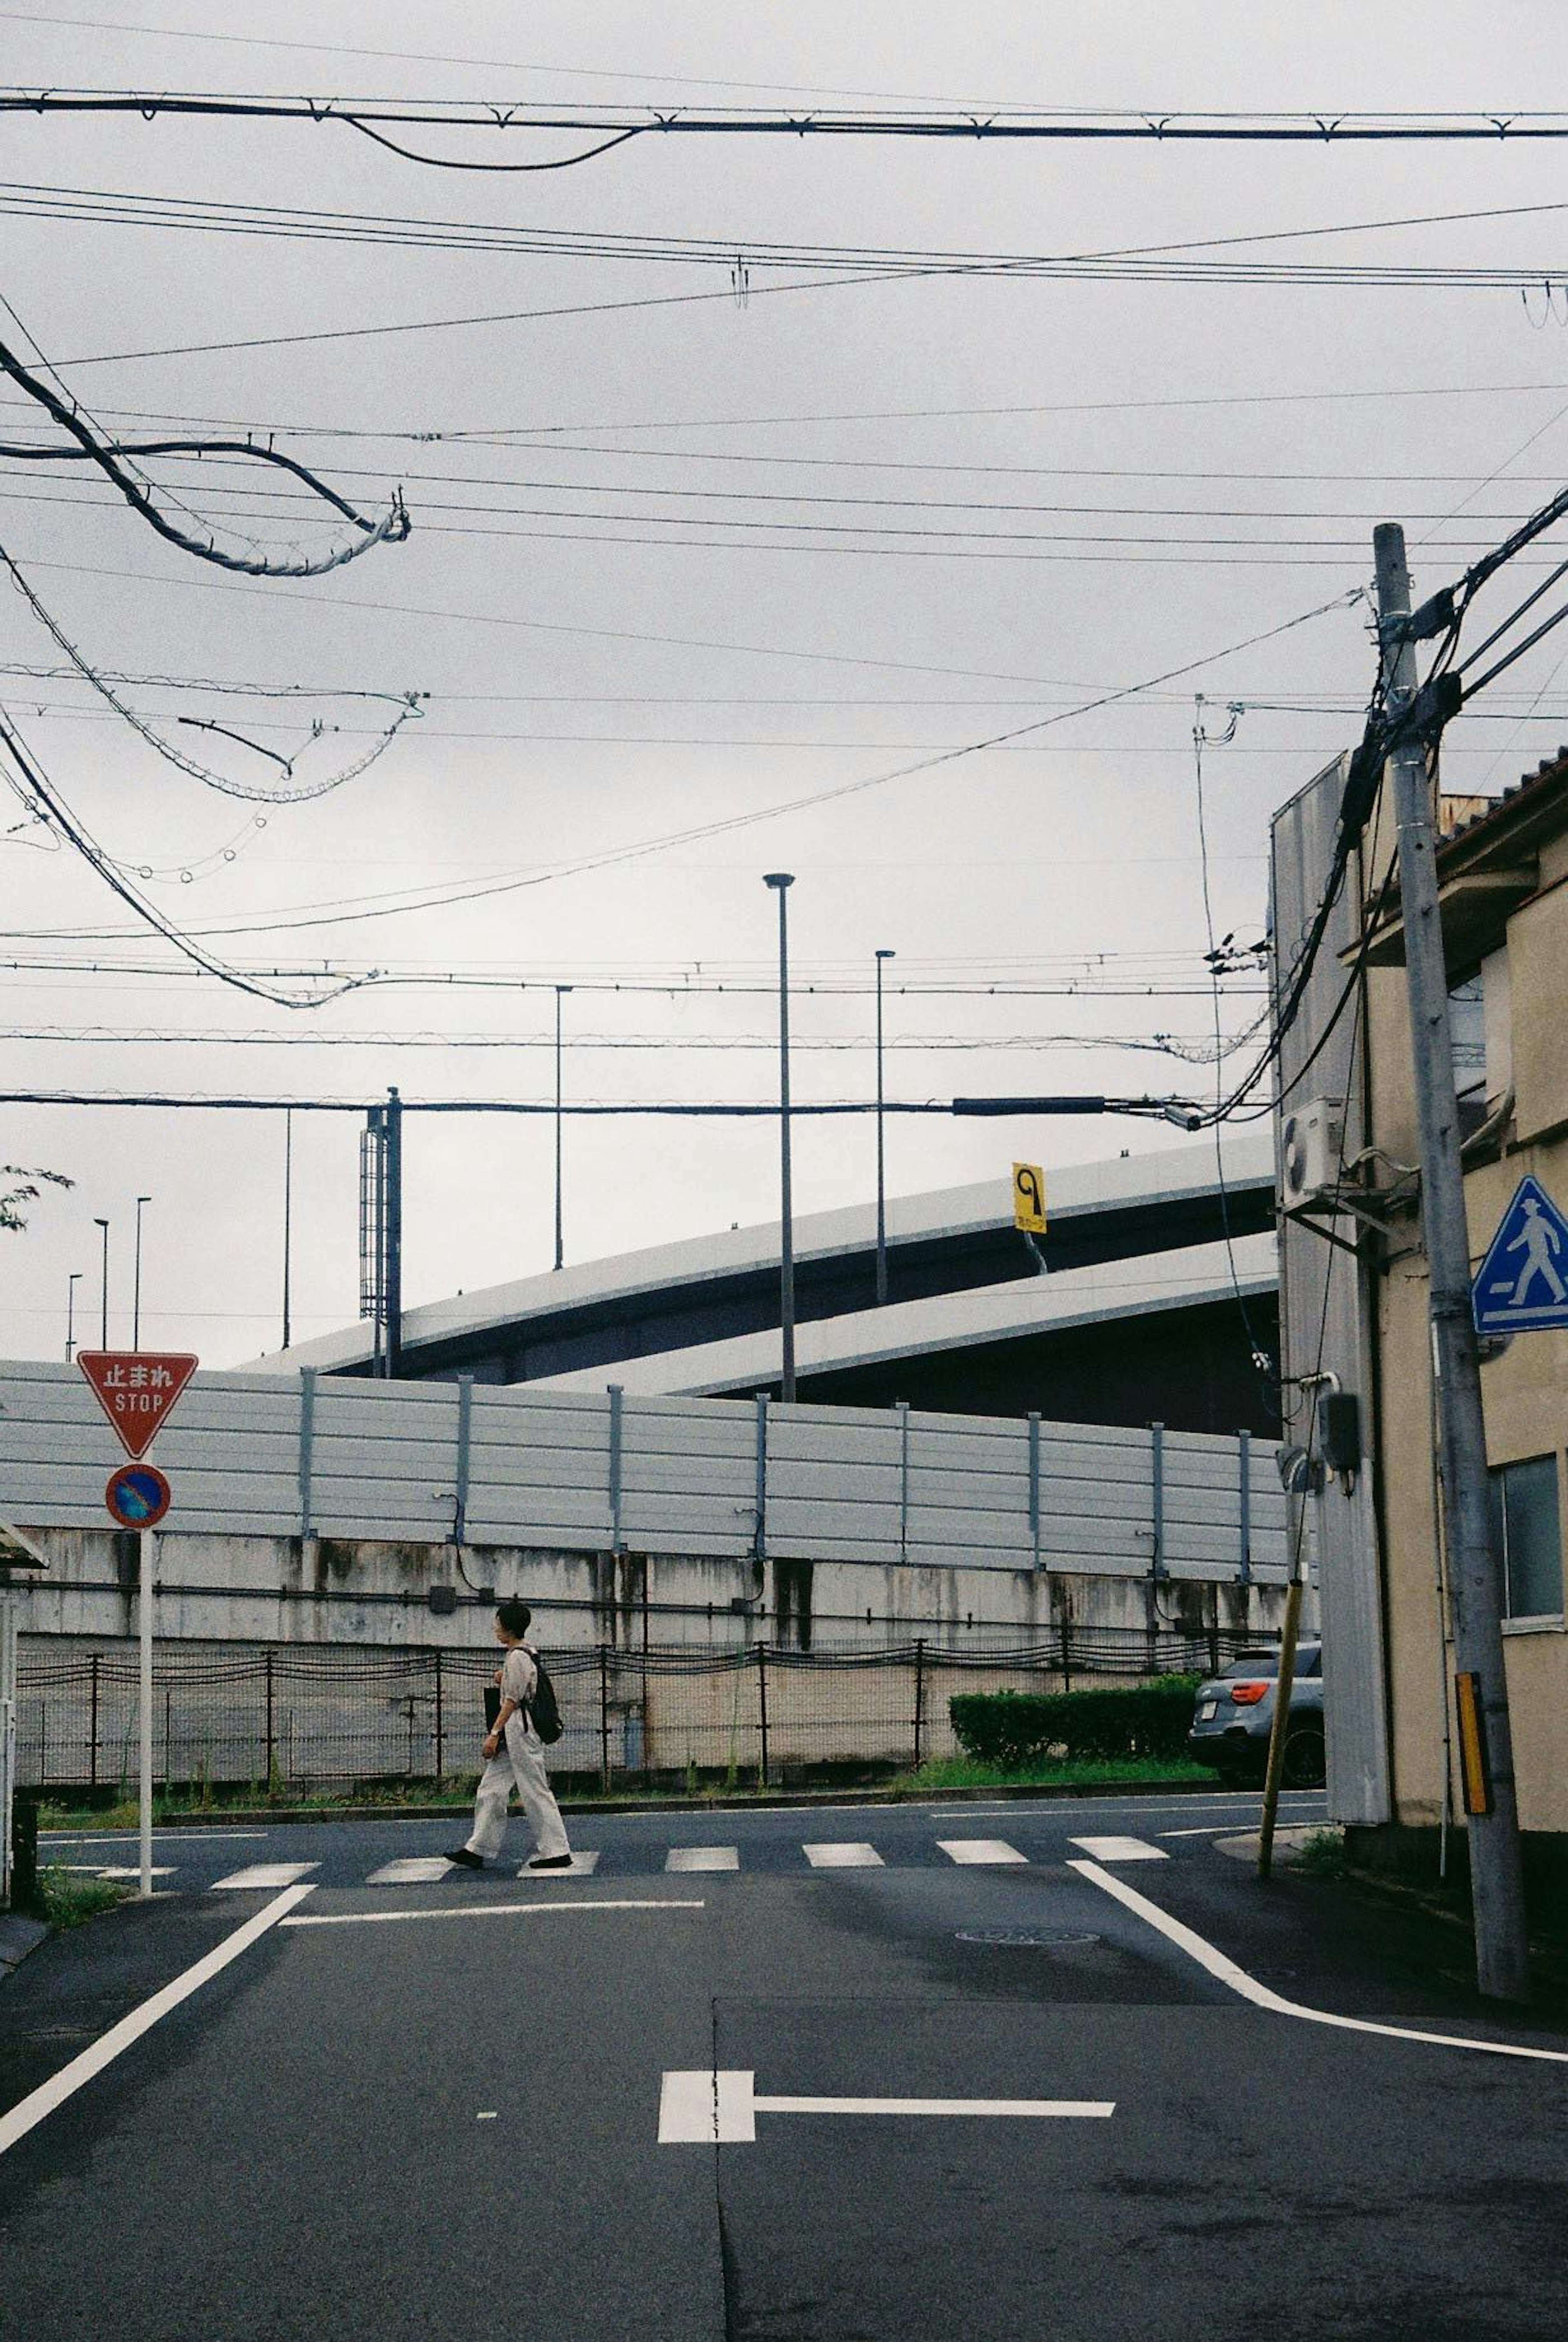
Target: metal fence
(298,1719)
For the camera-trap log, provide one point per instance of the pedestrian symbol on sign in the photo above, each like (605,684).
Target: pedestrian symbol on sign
(1522,1282)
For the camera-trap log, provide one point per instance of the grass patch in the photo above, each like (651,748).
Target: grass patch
(1082,1772)
(1322,1854)
(66,1900)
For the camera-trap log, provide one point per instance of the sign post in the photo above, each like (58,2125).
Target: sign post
(137,1390)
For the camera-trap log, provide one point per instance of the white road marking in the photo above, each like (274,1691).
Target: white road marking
(1222,1830)
(583,1865)
(719,2109)
(31,2110)
(475,1911)
(703,1857)
(118,1870)
(980,1850)
(838,1854)
(1120,1849)
(128,1837)
(1227,1972)
(410,1870)
(489,2115)
(266,1874)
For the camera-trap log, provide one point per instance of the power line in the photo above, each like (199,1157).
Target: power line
(111,460)
(358,910)
(1009,124)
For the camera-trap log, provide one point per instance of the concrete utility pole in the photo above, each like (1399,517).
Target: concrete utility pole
(781,881)
(1475,1575)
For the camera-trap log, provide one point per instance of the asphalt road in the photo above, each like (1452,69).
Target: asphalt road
(443,2107)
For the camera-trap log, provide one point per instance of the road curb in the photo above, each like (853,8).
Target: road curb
(19,1935)
(218,1815)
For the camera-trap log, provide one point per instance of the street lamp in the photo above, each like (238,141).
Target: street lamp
(880,1180)
(560,1253)
(136,1281)
(781,881)
(72,1282)
(104,1318)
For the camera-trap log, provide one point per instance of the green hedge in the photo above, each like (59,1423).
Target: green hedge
(1014,1728)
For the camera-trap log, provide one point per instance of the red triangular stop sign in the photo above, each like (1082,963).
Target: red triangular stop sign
(137,1389)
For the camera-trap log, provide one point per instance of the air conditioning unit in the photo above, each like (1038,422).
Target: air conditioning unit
(1311,1148)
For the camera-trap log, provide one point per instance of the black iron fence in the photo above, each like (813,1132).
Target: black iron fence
(297,1718)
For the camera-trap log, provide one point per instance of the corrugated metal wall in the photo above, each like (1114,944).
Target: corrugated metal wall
(440,1463)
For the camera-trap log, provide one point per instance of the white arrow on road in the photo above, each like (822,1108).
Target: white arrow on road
(712,2109)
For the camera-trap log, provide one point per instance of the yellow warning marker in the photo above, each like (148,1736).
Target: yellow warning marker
(1029,1198)
(1472,1746)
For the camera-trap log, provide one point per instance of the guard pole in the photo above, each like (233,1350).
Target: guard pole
(1280,1726)
(1476,1576)
(149,1540)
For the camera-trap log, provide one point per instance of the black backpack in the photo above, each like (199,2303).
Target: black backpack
(544,1713)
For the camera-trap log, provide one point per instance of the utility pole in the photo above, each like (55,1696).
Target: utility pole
(72,1282)
(881,1161)
(287,1221)
(392,1285)
(561,989)
(781,881)
(136,1281)
(103,1287)
(1476,1576)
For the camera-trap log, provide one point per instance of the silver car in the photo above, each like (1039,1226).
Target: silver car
(1234,1713)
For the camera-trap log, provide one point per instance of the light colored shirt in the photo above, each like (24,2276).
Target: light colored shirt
(518,1676)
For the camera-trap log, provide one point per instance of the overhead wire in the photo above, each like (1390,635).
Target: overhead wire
(407,704)
(111,459)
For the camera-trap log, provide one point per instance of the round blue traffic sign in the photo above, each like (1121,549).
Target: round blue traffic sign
(137,1497)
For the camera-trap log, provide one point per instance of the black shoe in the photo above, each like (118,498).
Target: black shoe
(469,1861)
(551,1862)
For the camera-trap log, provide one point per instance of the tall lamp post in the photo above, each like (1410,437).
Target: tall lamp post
(561,989)
(781,881)
(881,1158)
(287,1221)
(72,1282)
(137,1279)
(104,1311)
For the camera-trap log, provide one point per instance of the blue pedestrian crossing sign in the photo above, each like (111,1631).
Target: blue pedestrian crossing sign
(1521,1286)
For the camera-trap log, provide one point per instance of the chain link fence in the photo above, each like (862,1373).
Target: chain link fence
(286,1718)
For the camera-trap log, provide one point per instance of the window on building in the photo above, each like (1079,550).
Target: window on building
(1467,1023)
(1480,1020)
(1524,1510)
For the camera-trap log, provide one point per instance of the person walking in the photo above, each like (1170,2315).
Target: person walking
(514,1758)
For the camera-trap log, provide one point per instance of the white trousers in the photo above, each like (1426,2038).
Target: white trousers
(520,1765)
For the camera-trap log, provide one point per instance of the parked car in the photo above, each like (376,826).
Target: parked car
(1234,1716)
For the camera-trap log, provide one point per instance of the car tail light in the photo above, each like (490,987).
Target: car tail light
(1247,1695)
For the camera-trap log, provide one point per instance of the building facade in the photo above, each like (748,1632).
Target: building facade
(1503,870)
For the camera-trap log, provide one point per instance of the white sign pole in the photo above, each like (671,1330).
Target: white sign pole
(149,1539)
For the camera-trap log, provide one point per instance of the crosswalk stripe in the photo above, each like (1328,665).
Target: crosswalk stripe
(980,1850)
(840,1854)
(267,1874)
(114,1870)
(410,1870)
(583,1867)
(1120,1849)
(703,1857)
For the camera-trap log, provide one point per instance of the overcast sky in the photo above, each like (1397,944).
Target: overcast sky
(695,559)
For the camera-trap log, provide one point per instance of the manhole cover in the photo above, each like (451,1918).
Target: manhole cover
(1019,1938)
